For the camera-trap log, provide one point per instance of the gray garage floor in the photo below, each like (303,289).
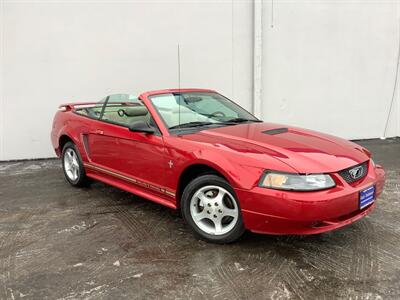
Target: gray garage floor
(60,242)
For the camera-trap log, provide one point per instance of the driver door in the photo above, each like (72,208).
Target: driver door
(137,157)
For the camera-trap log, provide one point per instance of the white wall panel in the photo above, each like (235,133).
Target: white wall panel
(330,65)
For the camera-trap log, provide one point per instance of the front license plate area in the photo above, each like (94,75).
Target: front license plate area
(367,196)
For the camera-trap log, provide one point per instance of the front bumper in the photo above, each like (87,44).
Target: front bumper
(286,212)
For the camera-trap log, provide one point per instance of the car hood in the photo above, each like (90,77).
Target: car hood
(304,150)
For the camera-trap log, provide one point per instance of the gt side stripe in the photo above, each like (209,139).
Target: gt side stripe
(131,179)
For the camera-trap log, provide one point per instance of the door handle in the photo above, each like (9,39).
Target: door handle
(97,131)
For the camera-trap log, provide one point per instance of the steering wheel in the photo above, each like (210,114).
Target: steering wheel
(121,112)
(218,114)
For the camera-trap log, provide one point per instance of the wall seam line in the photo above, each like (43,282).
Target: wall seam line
(2,101)
(257,57)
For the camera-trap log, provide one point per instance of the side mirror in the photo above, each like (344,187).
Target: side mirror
(141,126)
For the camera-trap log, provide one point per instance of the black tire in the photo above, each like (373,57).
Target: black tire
(195,185)
(81,180)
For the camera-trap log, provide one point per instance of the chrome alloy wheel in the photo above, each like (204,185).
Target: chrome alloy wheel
(71,164)
(214,210)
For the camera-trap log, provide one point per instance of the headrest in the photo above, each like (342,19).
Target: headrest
(136,111)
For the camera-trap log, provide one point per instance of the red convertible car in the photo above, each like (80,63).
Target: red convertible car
(226,170)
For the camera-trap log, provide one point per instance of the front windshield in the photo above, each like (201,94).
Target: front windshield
(180,110)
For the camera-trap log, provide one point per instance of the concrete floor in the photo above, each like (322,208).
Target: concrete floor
(57,241)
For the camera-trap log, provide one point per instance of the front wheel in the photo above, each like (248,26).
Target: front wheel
(211,209)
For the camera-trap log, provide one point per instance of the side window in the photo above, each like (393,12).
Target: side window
(124,109)
(92,111)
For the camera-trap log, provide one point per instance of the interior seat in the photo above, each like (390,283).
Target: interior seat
(136,113)
(180,115)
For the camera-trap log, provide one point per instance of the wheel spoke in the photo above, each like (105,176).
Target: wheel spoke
(76,173)
(69,156)
(75,163)
(200,215)
(230,212)
(218,225)
(67,165)
(203,199)
(220,196)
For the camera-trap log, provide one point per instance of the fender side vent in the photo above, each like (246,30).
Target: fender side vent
(275,131)
(86,144)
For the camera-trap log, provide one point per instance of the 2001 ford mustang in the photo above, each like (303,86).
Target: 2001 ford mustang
(226,170)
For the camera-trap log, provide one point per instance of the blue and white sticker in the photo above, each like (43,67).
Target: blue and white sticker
(367,196)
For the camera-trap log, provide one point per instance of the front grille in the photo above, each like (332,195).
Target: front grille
(354,173)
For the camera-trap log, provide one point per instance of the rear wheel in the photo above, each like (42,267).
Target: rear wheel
(72,165)
(210,208)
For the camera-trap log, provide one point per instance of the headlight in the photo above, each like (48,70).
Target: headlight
(296,182)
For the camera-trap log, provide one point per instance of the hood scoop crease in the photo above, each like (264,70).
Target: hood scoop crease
(276,131)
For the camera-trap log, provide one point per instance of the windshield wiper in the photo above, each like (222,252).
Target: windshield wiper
(240,120)
(191,124)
